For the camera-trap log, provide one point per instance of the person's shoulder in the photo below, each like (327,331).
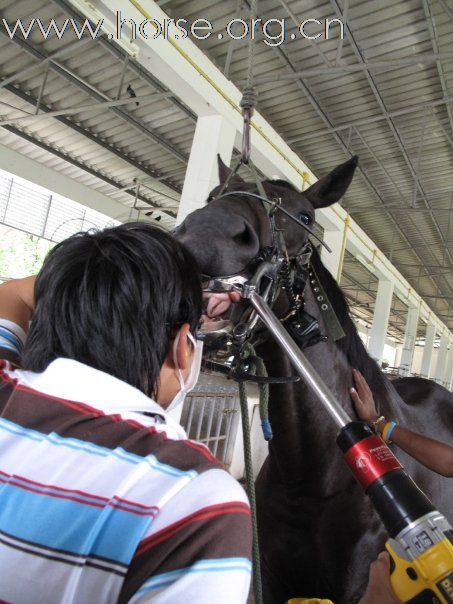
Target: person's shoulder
(182,453)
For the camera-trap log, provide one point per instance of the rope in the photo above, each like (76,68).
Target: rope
(249,95)
(253,15)
(255,365)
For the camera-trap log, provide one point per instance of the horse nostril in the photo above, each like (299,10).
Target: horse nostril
(246,237)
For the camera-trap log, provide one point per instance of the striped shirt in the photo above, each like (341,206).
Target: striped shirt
(104,499)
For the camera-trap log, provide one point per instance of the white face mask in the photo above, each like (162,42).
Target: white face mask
(192,378)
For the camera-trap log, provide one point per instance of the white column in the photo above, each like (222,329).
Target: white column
(409,340)
(213,135)
(336,239)
(381,315)
(428,350)
(441,358)
(448,373)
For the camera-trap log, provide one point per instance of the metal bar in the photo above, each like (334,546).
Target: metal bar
(228,434)
(74,110)
(392,126)
(331,70)
(151,173)
(43,63)
(426,266)
(8,197)
(434,43)
(315,104)
(392,208)
(190,416)
(344,17)
(41,89)
(417,164)
(231,43)
(44,226)
(201,407)
(297,22)
(446,8)
(123,75)
(299,361)
(372,120)
(210,418)
(85,168)
(81,84)
(395,208)
(381,166)
(220,417)
(447,136)
(121,54)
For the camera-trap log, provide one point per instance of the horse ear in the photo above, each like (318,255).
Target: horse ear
(331,188)
(224,172)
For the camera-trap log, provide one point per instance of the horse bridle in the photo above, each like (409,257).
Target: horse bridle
(302,326)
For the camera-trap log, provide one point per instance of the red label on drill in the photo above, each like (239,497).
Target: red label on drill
(370,459)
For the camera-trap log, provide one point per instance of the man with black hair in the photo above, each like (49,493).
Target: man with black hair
(102,497)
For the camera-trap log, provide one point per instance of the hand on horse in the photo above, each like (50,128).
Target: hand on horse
(362,398)
(379,590)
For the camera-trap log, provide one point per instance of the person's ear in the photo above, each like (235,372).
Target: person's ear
(183,347)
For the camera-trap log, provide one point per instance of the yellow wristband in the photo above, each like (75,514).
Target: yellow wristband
(387,431)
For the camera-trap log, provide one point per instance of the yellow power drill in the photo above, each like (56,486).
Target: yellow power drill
(421,539)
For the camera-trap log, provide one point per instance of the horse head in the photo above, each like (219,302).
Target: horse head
(231,231)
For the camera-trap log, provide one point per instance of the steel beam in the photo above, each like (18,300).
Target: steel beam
(392,126)
(110,181)
(91,91)
(372,120)
(133,65)
(169,189)
(20,165)
(342,69)
(33,117)
(434,43)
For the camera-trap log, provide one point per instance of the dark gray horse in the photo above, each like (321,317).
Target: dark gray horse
(420,391)
(318,532)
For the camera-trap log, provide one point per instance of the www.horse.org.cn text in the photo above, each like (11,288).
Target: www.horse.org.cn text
(272,31)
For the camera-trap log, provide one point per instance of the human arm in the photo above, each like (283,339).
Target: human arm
(435,455)
(17,301)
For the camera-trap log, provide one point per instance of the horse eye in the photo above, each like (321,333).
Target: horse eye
(305,218)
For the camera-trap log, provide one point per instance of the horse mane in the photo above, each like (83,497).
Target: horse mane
(351,344)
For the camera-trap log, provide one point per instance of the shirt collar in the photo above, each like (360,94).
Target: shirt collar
(74,381)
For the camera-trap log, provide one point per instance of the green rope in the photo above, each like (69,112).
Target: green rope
(255,366)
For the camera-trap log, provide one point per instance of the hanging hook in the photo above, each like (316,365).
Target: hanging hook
(248,103)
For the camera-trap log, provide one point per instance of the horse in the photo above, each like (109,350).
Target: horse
(317,530)
(418,390)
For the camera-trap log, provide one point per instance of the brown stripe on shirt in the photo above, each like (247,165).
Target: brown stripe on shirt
(31,409)
(222,531)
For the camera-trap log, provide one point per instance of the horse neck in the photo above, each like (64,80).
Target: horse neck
(303,449)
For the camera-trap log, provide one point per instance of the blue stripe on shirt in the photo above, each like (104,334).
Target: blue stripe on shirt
(70,526)
(93,449)
(203,566)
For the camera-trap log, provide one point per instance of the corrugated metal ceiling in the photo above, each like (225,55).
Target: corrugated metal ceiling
(397,118)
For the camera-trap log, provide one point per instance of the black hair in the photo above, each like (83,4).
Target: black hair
(114,299)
